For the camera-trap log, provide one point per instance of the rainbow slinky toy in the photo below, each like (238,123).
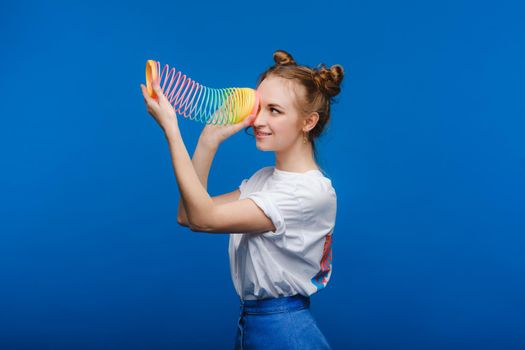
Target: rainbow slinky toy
(201,103)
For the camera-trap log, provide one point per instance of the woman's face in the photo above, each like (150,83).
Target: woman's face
(277,115)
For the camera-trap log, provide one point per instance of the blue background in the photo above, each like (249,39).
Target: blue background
(425,150)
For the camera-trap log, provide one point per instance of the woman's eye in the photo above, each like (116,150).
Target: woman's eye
(273,109)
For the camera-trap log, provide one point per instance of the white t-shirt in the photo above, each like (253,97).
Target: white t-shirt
(297,257)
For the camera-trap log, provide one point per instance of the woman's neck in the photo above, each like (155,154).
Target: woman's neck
(297,158)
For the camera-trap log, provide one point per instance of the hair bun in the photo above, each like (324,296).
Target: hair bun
(329,80)
(283,58)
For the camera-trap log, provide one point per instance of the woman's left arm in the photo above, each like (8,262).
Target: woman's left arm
(197,201)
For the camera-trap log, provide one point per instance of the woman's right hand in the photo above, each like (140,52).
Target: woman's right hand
(213,135)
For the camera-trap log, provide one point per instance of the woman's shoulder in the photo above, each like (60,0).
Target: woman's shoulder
(257,179)
(315,187)
(313,183)
(316,198)
(264,172)
(316,182)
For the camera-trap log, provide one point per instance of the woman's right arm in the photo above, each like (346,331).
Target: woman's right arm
(209,140)
(202,160)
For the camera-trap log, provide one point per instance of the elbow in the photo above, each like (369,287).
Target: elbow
(182,222)
(192,227)
(198,227)
(201,223)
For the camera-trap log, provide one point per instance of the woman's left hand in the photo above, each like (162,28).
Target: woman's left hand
(159,108)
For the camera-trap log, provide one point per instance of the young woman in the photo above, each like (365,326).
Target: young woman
(282,218)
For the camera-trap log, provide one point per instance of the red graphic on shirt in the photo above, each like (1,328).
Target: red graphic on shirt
(321,278)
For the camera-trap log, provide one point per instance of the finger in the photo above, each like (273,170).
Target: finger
(158,90)
(249,121)
(244,123)
(151,103)
(147,98)
(163,101)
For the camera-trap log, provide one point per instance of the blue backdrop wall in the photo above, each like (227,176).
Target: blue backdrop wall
(425,150)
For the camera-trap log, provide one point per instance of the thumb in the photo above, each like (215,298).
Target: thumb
(240,125)
(158,90)
(249,121)
(244,123)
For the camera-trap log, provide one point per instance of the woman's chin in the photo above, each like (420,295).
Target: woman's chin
(262,147)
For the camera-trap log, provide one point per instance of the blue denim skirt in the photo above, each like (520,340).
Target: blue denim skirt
(278,323)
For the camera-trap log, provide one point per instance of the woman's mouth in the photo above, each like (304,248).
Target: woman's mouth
(261,135)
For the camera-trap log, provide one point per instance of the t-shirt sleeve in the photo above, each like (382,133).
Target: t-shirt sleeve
(302,205)
(281,205)
(247,185)
(242,186)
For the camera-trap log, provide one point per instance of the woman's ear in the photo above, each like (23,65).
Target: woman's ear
(311,121)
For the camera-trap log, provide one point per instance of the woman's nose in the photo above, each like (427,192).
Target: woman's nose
(257,118)
(260,119)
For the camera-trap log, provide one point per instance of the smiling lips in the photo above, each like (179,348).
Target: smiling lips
(262,134)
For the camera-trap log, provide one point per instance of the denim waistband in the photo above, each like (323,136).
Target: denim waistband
(275,305)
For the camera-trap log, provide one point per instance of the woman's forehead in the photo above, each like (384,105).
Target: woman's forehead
(276,90)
